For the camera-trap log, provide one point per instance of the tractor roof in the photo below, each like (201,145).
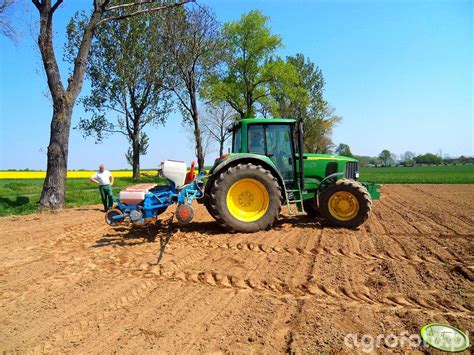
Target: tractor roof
(266,120)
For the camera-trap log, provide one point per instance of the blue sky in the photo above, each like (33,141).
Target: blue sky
(399,72)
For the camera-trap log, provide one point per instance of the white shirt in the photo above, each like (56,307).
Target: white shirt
(102,177)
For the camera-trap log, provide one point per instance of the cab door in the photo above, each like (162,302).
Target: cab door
(276,142)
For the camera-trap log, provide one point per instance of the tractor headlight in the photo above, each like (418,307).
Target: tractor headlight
(356,175)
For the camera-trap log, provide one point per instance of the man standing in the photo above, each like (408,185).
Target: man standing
(105,180)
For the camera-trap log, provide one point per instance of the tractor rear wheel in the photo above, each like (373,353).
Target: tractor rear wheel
(345,203)
(245,198)
(207,201)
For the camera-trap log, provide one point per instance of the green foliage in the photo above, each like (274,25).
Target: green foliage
(144,143)
(365,160)
(127,76)
(249,65)
(254,80)
(443,174)
(304,100)
(192,43)
(344,149)
(428,159)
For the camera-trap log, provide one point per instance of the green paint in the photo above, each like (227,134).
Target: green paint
(279,152)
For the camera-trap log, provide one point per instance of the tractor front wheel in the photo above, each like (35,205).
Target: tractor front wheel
(345,203)
(245,198)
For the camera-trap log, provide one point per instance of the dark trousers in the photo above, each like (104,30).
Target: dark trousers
(106,196)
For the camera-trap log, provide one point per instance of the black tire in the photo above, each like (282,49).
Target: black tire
(311,208)
(112,213)
(184,213)
(207,201)
(218,198)
(358,191)
(210,210)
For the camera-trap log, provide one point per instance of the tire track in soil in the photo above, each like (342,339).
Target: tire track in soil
(247,281)
(296,316)
(261,248)
(69,247)
(433,221)
(329,295)
(402,221)
(213,279)
(29,236)
(76,330)
(280,288)
(441,253)
(466,217)
(419,190)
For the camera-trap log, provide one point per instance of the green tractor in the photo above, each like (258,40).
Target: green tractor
(267,168)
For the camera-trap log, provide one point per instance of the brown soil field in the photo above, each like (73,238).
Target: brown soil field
(70,283)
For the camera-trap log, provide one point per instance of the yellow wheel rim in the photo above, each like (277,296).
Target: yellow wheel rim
(343,206)
(247,200)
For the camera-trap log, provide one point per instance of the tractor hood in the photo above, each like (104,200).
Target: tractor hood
(332,157)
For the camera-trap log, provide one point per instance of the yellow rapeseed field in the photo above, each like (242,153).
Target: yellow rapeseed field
(70,174)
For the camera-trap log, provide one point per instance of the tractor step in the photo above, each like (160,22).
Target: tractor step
(294,196)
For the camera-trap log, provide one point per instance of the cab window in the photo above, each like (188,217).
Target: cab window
(280,149)
(276,142)
(256,139)
(236,141)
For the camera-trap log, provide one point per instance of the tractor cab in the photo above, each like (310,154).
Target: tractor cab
(272,138)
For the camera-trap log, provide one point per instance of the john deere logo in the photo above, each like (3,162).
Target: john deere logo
(444,337)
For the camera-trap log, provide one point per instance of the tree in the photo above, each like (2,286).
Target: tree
(386,157)
(318,117)
(127,76)
(344,149)
(207,141)
(192,43)
(303,99)
(406,158)
(130,155)
(216,123)
(64,97)
(6,27)
(249,65)
(428,159)
(364,160)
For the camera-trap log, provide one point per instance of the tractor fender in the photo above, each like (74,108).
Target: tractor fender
(246,159)
(325,182)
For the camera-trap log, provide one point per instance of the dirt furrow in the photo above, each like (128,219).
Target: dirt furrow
(69,283)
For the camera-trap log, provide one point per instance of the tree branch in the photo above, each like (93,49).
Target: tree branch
(115,131)
(37,4)
(45,43)
(138,12)
(76,79)
(55,6)
(135,3)
(185,105)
